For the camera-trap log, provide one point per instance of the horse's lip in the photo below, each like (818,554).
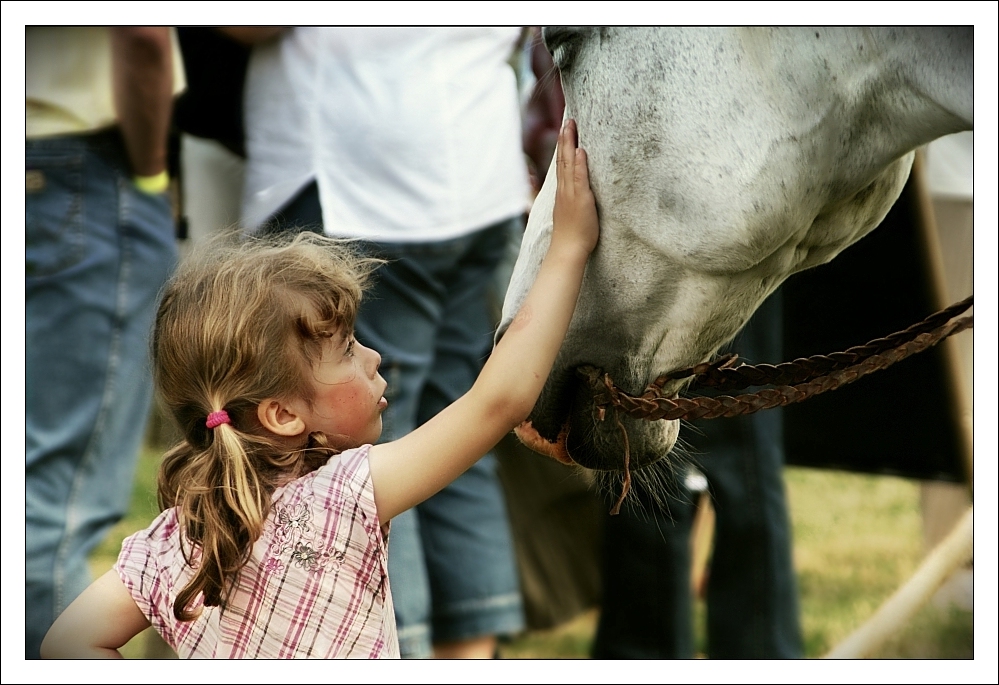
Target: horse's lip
(535,441)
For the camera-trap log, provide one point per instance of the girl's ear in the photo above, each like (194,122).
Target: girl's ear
(280,418)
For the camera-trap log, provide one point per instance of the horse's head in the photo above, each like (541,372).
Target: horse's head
(722,161)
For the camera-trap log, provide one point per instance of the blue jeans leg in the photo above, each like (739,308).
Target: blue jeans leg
(647,606)
(97,253)
(752,592)
(428,315)
(410,587)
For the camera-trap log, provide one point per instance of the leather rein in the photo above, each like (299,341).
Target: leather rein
(793,381)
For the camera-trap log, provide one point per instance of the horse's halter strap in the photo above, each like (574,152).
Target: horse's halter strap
(794,381)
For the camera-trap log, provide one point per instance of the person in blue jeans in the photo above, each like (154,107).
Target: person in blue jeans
(99,244)
(752,602)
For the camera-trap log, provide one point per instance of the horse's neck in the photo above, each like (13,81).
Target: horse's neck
(901,87)
(937,64)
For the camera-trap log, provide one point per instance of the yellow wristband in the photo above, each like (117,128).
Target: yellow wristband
(152,184)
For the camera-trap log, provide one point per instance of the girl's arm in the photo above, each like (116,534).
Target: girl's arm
(96,624)
(409,470)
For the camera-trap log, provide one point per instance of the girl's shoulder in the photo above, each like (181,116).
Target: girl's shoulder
(342,483)
(152,563)
(350,466)
(348,469)
(164,529)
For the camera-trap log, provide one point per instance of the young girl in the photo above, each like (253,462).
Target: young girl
(273,536)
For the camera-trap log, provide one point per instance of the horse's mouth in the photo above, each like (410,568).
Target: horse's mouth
(600,440)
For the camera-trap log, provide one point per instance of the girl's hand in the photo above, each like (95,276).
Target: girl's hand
(575,216)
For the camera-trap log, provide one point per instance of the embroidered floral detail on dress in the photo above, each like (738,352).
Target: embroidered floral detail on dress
(316,561)
(296,518)
(304,556)
(329,560)
(273,565)
(296,536)
(291,523)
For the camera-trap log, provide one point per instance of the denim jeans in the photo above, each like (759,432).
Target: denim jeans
(97,252)
(752,601)
(451,561)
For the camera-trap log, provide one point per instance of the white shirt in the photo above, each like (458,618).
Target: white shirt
(412,134)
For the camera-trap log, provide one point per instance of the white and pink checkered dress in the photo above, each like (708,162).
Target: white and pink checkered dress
(316,585)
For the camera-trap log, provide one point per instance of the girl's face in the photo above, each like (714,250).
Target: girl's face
(349,393)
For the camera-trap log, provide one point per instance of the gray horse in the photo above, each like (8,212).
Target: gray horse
(723,161)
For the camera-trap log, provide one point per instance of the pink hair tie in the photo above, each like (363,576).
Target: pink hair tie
(217,418)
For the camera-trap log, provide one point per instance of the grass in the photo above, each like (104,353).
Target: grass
(857,538)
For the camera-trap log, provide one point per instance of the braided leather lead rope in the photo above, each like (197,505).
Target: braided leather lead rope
(795,381)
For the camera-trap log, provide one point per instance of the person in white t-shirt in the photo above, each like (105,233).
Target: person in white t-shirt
(409,138)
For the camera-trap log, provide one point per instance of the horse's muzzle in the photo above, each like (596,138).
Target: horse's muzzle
(597,440)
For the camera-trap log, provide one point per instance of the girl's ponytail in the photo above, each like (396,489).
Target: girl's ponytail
(224,517)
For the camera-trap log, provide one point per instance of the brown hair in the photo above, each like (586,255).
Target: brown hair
(240,323)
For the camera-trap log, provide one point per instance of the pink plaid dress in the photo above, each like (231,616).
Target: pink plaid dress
(316,585)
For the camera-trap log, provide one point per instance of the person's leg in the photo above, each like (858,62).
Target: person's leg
(97,252)
(647,608)
(410,587)
(472,572)
(752,597)
(470,564)
(464,528)
(752,592)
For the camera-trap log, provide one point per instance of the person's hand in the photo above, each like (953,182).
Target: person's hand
(575,215)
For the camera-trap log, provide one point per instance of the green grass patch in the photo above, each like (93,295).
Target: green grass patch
(857,538)
(570,641)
